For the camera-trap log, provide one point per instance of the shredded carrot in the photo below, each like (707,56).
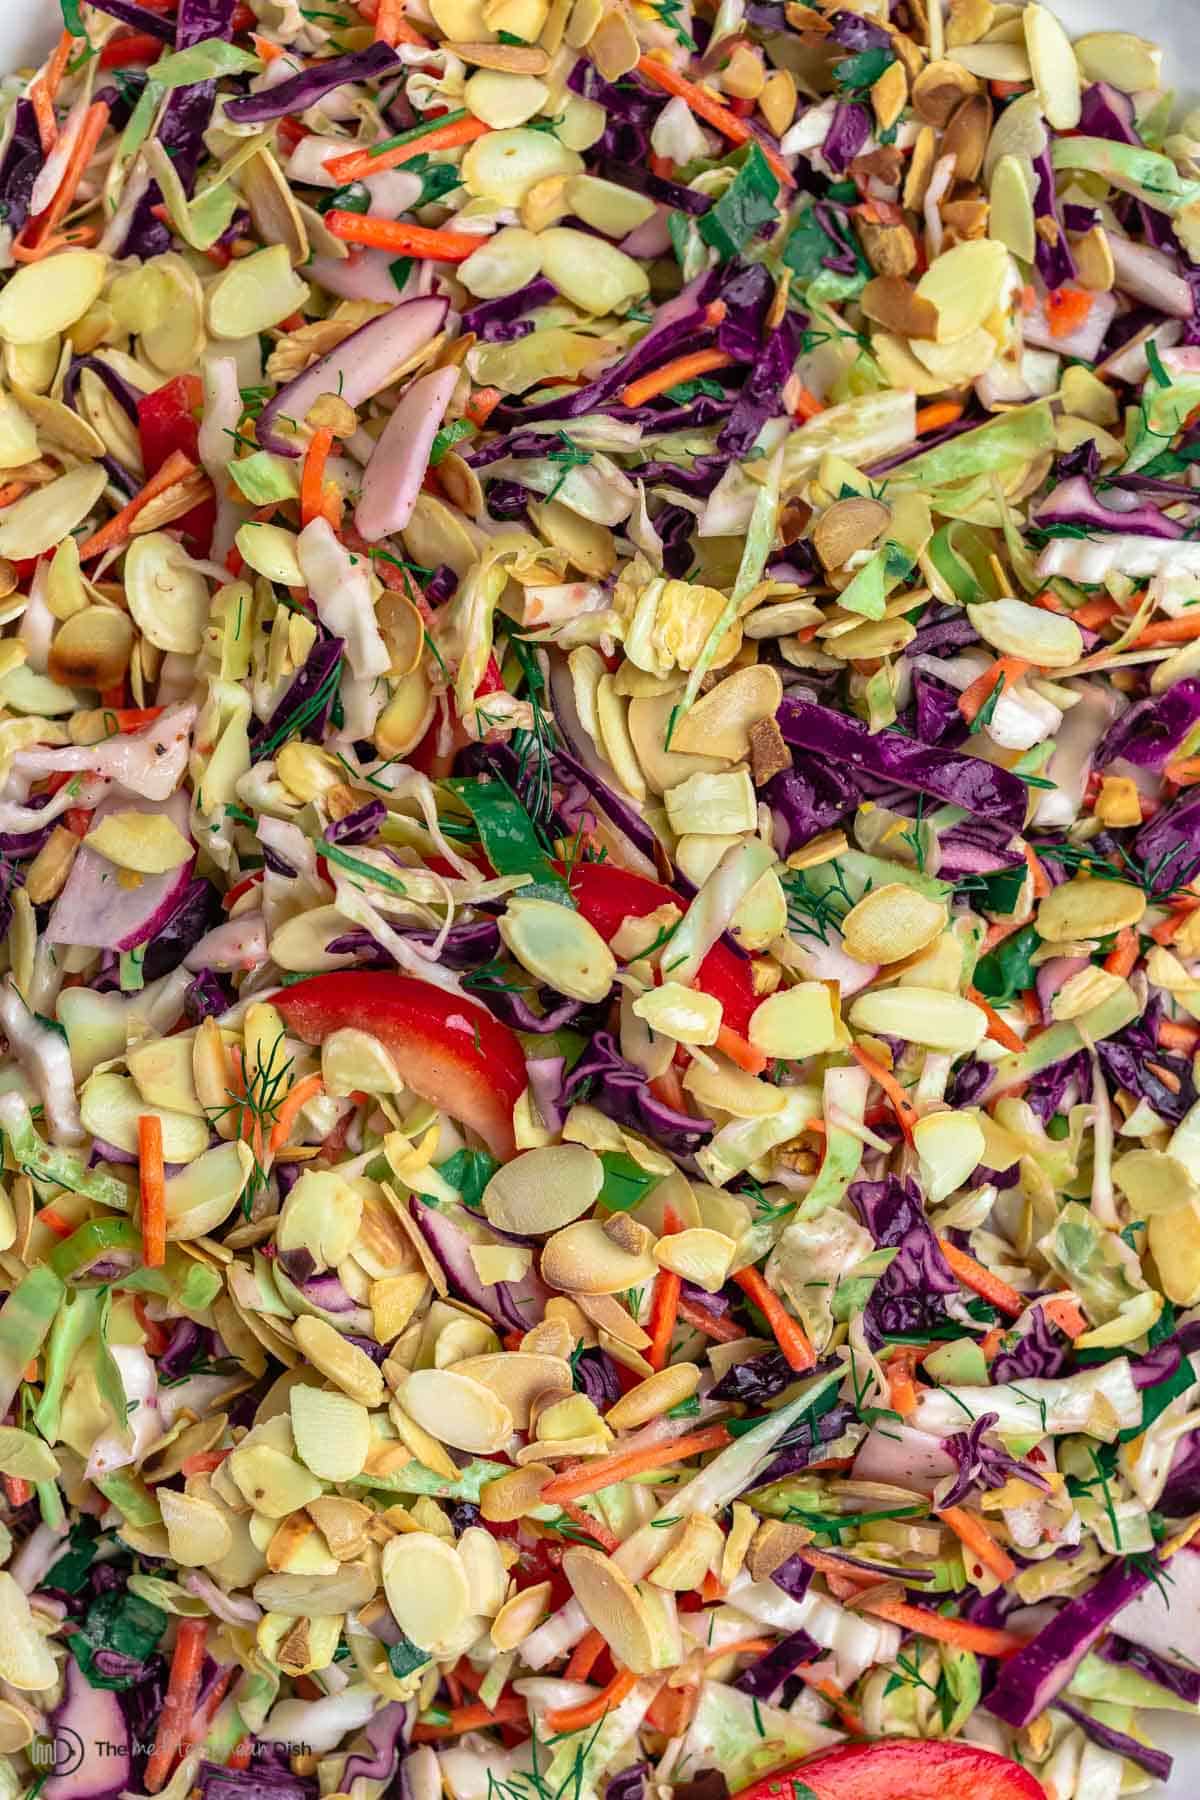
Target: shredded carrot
(606,1539)
(313,498)
(1065,1314)
(790,1335)
(12,490)
(1174,1034)
(723,1331)
(1048,601)
(605,1470)
(510,1709)
(1006,671)
(54,1222)
(360,163)
(264,49)
(902,1389)
(404,239)
(153,1190)
(285,1118)
(998,1030)
(183,1691)
(1031,1006)
(706,106)
(388,19)
(77,236)
(176,469)
(673,1709)
(664,1304)
(683,368)
(711,1589)
(1124,953)
(744,1647)
(829,1690)
(981,1281)
(482,405)
(241,1754)
(1067,308)
(203,1463)
(574,1718)
(1095,613)
(740,1050)
(44,89)
(1041,881)
(805,405)
(1170,631)
(586,1655)
(39,231)
(901,1105)
(942,412)
(984,1640)
(976,1537)
(990,1343)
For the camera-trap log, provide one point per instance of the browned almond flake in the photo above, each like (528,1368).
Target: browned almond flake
(769,755)
(894,304)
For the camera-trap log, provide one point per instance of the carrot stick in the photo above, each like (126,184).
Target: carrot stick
(574,1718)
(664,1306)
(1066,1315)
(723,1331)
(1174,1034)
(998,1031)
(740,1050)
(17,1490)
(509,1710)
(39,230)
(707,107)
(285,1118)
(901,1105)
(606,1470)
(183,1690)
(975,1536)
(806,405)
(1124,953)
(790,1335)
(1041,881)
(984,1640)
(358,163)
(1067,309)
(1095,613)
(1006,669)
(981,1281)
(482,405)
(1170,631)
(176,468)
(12,490)
(57,1224)
(404,239)
(387,19)
(585,1655)
(312,481)
(683,368)
(932,418)
(606,1539)
(43,112)
(153,1190)
(902,1389)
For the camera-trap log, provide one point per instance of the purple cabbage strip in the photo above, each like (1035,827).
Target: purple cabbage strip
(1155,1762)
(312,84)
(1029,1681)
(1184,1683)
(764,1678)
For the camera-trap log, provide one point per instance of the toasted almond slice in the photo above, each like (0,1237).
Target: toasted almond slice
(610,1316)
(895,304)
(514,1496)
(1054,68)
(654,1396)
(517,1378)
(892,922)
(456,1409)
(519,1615)
(613,1606)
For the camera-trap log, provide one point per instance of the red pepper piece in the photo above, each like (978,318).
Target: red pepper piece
(166,423)
(605,895)
(908,1768)
(138,47)
(450,1051)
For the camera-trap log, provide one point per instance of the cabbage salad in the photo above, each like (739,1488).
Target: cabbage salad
(600,884)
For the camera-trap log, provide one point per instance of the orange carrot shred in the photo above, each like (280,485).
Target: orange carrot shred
(790,1335)
(901,1105)
(183,1691)
(998,1029)
(153,1190)
(683,368)
(932,418)
(740,1050)
(586,1655)
(404,239)
(176,468)
(1124,953)
(706,106)
(312,480)
(1065,1313)
(981,1281)
(664,1305)
(359,163)
(1005,672)
(975,1536)
(508,1710)
(574,1718)
(603,1471)
(289,1111)
(984,1640)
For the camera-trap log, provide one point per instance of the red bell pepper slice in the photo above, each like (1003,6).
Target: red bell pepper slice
(450,1051)
(606,894)
(904,1769)
(166,423)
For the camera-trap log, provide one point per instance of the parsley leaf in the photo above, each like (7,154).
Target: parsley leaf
(743,208)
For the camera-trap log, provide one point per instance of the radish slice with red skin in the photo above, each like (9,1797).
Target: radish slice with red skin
(358,367)
(393,476)
(95,911)
(914,1768)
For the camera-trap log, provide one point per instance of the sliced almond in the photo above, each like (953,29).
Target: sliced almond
(1054,68)
(459,1411)
(847,527)
(515,1495)
(613,1606)
(610,1316)
(651,1398)
(896,305)
(967,136)
(514,59)
(692,1557)
(520,1615)
(543,1190)
(583,1259)
(939,90)
(517,1379)
(891,923)
(426,1587)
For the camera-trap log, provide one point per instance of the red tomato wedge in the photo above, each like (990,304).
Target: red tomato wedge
(605,895)
(450,1051)
(901,1769)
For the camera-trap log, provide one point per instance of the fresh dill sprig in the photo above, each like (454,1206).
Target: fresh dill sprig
(256,1109)
(813,912)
